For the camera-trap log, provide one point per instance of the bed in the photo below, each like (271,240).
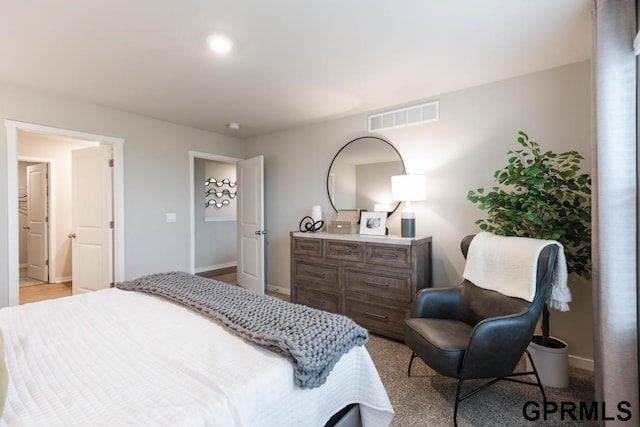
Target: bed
(120,357)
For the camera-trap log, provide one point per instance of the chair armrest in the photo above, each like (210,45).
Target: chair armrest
(496,345)
(438,303)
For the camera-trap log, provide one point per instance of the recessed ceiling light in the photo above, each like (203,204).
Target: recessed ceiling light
(234,126)
(219,43)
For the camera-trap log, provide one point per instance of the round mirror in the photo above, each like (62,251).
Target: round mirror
(360,175)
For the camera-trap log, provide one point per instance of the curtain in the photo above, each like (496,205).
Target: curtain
(615,289)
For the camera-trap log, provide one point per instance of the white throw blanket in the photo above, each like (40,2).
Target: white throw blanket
(509,265)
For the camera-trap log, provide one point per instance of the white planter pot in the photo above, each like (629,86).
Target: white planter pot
(552,364)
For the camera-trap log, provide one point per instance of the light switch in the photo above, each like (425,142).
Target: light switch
(171,217)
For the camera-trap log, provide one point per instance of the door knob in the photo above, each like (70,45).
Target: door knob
(72,235)
(26,227)
(260,233)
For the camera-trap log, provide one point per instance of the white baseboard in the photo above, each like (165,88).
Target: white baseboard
(60,279)
(581,363)
(284,291)
(216,267)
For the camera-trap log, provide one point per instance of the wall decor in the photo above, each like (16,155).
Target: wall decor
(218,194)
(217,204)
(360,174)
(225,181)
(374,223)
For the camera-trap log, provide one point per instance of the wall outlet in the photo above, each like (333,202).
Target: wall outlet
(171,217)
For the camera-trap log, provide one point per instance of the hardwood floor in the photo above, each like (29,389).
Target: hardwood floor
(37,293)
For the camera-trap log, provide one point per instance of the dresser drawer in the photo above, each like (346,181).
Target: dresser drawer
(381,319)
(309,247)
(387,286)
(393,256)
(316,275)
(344,251)
(319,300)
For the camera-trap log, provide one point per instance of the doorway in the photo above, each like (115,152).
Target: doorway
(34,176)
(15,132)
(249,224)
(213,225)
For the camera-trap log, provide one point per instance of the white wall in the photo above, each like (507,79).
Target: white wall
(156,175)
(460,152)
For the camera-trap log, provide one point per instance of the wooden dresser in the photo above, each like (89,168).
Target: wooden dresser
(371,279)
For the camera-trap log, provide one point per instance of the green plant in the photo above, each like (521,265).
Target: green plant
(544,196)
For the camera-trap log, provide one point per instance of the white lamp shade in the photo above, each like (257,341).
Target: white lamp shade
(406,188)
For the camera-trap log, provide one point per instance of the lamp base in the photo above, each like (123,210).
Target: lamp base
(408,227)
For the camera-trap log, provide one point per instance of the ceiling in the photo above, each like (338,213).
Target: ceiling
(295,62)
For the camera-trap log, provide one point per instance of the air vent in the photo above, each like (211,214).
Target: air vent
(423,113)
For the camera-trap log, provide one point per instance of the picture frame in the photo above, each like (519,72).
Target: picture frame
(373,223)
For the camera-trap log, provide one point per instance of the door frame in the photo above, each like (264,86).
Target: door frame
(13,128)
(192,224)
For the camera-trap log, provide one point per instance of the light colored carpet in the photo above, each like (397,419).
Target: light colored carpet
(426,399)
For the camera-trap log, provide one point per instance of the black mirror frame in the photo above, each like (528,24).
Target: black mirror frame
(404,169)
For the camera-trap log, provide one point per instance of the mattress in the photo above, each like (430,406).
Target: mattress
(118,358)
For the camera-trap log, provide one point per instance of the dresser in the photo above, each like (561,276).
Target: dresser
(371,279)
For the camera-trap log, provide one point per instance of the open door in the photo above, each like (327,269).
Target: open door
(250,179)
(92,218)
(37,222)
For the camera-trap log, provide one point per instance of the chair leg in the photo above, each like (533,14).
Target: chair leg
(455,406)
(413,356)
(535,371)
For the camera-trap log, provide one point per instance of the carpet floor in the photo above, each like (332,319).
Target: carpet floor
(426,399)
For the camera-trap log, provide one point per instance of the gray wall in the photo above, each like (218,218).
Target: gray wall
(460,152)
(156,174)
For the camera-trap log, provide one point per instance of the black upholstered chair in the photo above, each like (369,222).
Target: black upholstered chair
(468,332)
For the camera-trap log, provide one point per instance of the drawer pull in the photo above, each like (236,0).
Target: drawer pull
(376,316)
(344,251)
(376,284)
(317,274)
(307,247)
(389,255)
(316,301)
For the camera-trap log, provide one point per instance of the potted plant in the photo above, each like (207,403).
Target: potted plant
(542,195)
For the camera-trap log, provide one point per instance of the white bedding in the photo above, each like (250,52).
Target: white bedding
(119,358)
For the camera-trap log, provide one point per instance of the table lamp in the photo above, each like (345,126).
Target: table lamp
(408,188)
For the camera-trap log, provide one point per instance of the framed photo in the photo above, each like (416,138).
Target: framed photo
(374,223)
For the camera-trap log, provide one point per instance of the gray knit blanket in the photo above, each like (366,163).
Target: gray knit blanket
(314,340)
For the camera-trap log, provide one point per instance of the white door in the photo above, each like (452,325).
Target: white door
(37,222)
(250,178)
(92,218)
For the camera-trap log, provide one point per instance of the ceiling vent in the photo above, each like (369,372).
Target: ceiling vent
(409,116)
